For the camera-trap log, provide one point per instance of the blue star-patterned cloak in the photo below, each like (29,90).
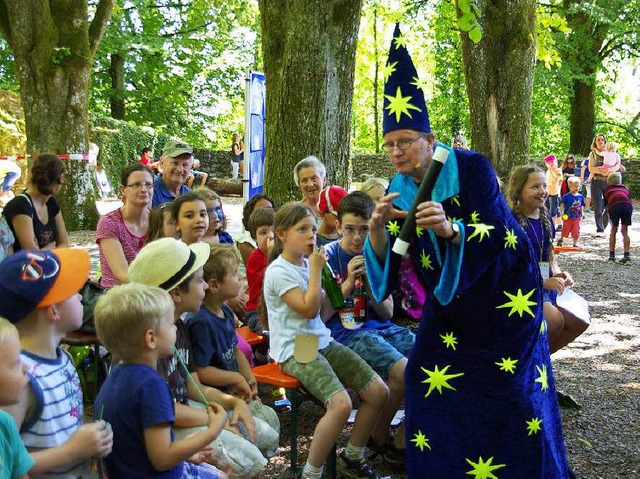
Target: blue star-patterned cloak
(481,398)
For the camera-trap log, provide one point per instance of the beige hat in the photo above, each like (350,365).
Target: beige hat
(176,148)
(167,262)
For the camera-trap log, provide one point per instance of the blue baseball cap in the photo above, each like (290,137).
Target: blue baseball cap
(31,279)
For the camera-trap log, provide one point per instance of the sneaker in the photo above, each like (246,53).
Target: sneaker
(390,454)
(356,469)
(612,259)
(625,260)
(559,242)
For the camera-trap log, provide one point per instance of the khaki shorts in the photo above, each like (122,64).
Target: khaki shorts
(335,367)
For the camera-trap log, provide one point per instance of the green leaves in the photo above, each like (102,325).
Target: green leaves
(468,21)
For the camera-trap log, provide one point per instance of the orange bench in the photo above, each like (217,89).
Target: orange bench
(249,336)
(559,249)
(271,374)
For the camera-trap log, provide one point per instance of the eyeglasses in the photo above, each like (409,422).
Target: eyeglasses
(348,231)
(139,186)
(403,144)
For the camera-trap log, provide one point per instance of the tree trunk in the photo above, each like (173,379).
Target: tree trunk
(309,59)
(53,45)
(116,72)
(499,75)
(582,59)
(583,117)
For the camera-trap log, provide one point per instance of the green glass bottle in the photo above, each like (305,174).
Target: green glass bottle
(332,288)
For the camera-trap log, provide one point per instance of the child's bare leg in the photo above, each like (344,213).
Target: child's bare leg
(612,240)
(374,397)
(396,384)
(329,428)
(573,327)
(626,241)
(555,321)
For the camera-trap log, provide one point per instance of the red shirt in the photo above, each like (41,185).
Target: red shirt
(146,161)
(256,266)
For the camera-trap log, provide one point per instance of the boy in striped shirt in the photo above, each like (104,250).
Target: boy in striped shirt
(39,294)
(620,208)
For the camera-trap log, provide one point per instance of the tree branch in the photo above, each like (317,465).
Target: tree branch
(99,24)
(5,27)
(179,33)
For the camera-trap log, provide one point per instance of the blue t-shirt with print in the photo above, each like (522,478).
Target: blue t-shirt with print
(213,338)
(339,259)
(572,205)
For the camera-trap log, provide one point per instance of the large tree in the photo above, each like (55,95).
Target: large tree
(499,73)
(53,44)
(309,59)
(600,30)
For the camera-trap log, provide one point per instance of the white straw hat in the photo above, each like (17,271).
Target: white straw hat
(167,262)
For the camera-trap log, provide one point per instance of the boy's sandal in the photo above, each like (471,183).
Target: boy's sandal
(391,454)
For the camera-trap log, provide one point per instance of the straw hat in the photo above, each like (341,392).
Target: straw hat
(167,262)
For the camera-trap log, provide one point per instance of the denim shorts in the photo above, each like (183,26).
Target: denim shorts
(335,367)
(552,205)
(382,348)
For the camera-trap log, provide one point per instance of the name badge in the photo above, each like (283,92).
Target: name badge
(544,269)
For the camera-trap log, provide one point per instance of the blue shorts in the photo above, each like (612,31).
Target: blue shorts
(620,213)
(382,348)
(199,471)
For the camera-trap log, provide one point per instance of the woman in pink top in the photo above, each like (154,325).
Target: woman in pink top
(122,233)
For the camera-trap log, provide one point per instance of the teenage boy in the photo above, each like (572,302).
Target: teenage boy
(181,276)
(216,354)
(327,203)
(368,330)
(39,294)
(15,460)
(136,323)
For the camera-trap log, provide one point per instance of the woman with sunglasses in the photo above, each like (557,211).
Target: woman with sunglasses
(568,168)
(122,233)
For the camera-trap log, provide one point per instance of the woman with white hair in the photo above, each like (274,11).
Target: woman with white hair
(310,175)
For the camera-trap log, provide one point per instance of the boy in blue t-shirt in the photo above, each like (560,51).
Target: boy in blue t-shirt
(571,204)
(136,323)
(369,331)
(219,361)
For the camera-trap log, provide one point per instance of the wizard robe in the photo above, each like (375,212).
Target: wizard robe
(480,393)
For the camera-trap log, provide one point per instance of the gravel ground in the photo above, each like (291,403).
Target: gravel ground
(600,369)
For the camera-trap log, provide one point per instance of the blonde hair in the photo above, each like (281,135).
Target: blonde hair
(125,313)
(573,180)
(221,258)
(8,330)
(611,146)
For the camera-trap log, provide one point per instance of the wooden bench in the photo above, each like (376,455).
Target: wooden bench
(271,374)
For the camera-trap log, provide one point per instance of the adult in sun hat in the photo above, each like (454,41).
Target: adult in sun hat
(480,393)
(327,204)
(177,268)
(38,293)
(175,161)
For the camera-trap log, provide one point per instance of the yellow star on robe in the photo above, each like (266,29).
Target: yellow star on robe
(388,69)
(508,365)
(421,441)
(543,379)
(474,217)
(399,105)
(453,219)
(519,303)
(483,470)
(449,340)
(455,200)
(480,230)
(439,379)
(393,228)
(511,240)
(419,232)
(400,42)
(416,82)
(534,426)
(425,260)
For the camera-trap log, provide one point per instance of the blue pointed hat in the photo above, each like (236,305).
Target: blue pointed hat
(404,105)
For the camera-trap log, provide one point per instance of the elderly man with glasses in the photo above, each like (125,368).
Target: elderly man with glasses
(175,161)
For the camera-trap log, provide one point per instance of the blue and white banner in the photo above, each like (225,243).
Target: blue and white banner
(254,151)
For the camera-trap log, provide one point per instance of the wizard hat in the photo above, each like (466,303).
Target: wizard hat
(404,105)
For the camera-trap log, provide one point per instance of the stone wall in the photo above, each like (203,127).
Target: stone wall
(218,164)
